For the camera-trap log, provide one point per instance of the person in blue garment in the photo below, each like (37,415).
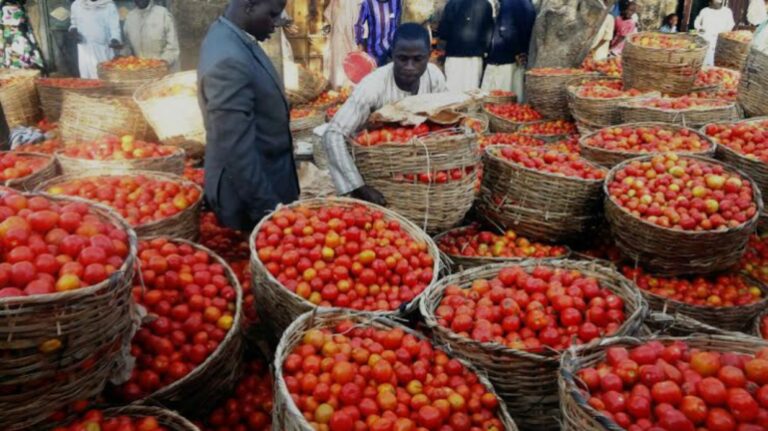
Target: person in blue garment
(375,28)
(249,164)
(511,36)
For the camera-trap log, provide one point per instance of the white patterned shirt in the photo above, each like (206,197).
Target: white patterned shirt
(374,92)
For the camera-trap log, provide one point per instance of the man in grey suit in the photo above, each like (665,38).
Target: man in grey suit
(249,165)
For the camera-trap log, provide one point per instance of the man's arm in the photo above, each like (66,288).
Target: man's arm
(115,35)
(171,51)
(362,19)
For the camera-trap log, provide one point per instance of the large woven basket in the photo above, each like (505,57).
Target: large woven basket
(753,87)
(18,97)
(48,171)
(595,113)
(91,326)
(547,93)
(579,416)
(499,100)
(307,123)
(538,205)
(666,70)
(167,418)
(526,381)
(695,116)
(52,93)
(502,125)
(176,119)
(433,207)
(126,82)
(731,53)
(307,87)
(667,251)
(87,118)
(278,306)
(185,224)
(611,158)
(287,417)
(173,164)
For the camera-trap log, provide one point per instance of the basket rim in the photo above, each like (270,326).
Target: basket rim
(514,123)
(51,159)
(164,65)
(730,151)
(756,196)
(573,85)
(134,409)
(583,140)
(635,104)
(582,72)
(726,35)
(489,153)
(700,42)
(45,81)
(139,96)
(412,143)
(178,151)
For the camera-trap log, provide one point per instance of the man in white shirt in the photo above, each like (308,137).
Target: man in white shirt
(601,47)
(712,21)
(410,73)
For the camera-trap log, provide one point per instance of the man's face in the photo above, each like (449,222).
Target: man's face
(410,59)
(716,4)
(141,4)
(262,17)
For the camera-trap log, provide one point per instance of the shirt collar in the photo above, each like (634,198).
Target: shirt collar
(239,30)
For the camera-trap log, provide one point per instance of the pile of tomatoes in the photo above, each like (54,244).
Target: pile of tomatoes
(726,78)
(75,83)
(555,71)
(609,67)
(551,161)
(132,63)
(48,146)
(509,139)
(549,128)
(195,175)
(647,139)
(299,113)
(14,166)
(228,243)
(514,112)
(439,177)
(755,259)
(471,241)
(94,420)
(684,102)
(114,148)
(400,135)
(748,139)
(605,89)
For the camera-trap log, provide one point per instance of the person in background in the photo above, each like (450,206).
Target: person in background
(249,164)
(601,47)
(95,25)
(624,26)
(380,18)
(340,17)
(670,24)
(150,32)
(756,12)
(712,21)
(511,36)
(19,47)
(466,28)
(410,73)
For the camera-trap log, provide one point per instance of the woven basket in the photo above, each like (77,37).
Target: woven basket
(753,87)
(48,171)
(596,113)
(755,329)
(537,205)
(499,100)
(177,120)
(308,123)
(433,207)
(310,85)
(173,164)
(695,116)
(93,325)
(678,325)
(548,95)
(18,97)
(667,251)
(52,96)
(126,82)
(527,382)
(502,125)
(666,70)
(611,158)
(184,225)
(167,418)
(278,306)
(579,416)
(89,118)
(731,53)
(286,416)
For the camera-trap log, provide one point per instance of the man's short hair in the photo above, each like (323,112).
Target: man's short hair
(411,32)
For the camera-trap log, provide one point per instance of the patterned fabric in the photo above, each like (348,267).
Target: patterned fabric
(382,18)
(373,92)
(18,49)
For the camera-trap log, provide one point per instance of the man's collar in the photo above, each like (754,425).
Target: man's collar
(239,30)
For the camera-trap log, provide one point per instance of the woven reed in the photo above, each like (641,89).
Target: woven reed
(126,82)
(92,324)
(184,225)
(753,87)
(48,171)
(730,53)
(89,118)
(278,306)
(434,207)
(611,158)
(18,97)
(666,70)
(173,164)
(548,95)
(579,416)
(596,113)
(502,125)
(499,100)
(755,329)
(177,120)
(310,86)
(527,382)
(285,414)
(167,418)
(678,325)
(695,116)
(672,252)
(537,205)
(52,96)
(308,123)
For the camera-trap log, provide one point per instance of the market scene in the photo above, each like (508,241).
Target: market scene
(384,215)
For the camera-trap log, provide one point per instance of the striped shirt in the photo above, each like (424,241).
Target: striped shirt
(374,92)
(382,18)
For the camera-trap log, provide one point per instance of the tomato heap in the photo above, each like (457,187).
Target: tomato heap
(474,242)
(70,83)
(13,165)
(567,145)
(227,243)
(331,97)
(726,290)
(663,41)
(676,192)
(299,113)
(114,148)
(191,307)
(439,177)
(356,378)
(514,112)
(502,93)
(195,175)
(48,146)
(242,270)
(647,139)
(400,135)
(509,139)
(344,257)
(744,36)
(94,420)
(728,79)
(135,197)
(605,89)
(551,161)
(549,128)
(684,102)
(476,125)
(755,259)
(132,63)
(609,67)
(529,309)
(673,386)
(47,126)
(51,247)
(555,71)
(748,139)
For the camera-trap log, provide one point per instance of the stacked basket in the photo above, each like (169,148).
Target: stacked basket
(711,111)
(18,97)
(753,87)
(732,49)
(51,92)
(125,82)
(545,90)
(87,118)
(592,113)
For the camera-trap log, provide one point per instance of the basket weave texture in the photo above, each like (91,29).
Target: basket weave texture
(286,416)
(753,87)
(92,324)
(695,116)
(18,97)
(499,100)
(89,118)
(173,164)
(126,82)
(666,70)
(548,95)
(526,381)
(730,53)
(502,125)
(52,96)
(594,113)
(48,171)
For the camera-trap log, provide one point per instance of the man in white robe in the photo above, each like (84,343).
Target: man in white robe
(95,24)
(712,21)
(340,17)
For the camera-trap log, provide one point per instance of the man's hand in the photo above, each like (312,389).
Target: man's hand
(369,194)
(115,44)
(76,35)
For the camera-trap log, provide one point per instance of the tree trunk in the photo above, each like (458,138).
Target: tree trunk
(564,31)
